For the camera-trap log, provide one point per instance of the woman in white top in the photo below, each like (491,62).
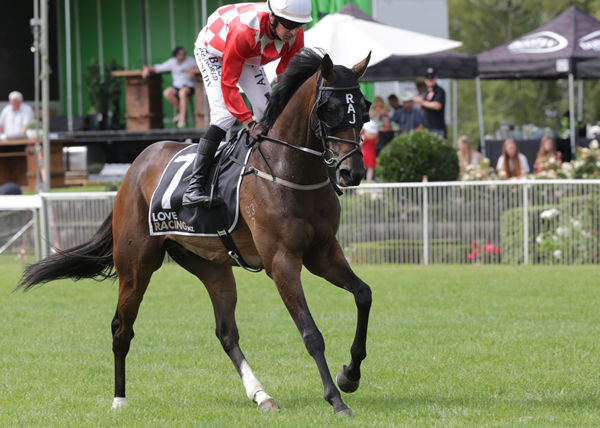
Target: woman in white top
(517,166)
(183,84)
(466,154)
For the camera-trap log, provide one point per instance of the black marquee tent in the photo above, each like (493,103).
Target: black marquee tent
(551,51)
(557,49)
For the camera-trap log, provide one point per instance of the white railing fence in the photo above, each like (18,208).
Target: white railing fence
(511,222)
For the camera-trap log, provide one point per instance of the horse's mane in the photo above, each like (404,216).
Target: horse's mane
(303,65)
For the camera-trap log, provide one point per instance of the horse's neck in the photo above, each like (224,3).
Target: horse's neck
(293,126)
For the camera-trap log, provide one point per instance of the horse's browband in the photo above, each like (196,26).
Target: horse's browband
(342,88)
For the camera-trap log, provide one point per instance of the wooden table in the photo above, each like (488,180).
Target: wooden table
(18,163)
(143,100)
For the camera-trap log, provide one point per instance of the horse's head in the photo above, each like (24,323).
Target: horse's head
(337,117)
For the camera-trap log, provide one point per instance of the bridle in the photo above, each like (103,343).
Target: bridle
(319,127)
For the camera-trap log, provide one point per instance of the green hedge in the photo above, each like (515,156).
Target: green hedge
(447,250)
(586,208)
(415,154)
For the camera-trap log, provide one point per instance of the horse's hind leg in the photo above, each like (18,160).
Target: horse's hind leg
(329,262)
(135,261)
(220,284)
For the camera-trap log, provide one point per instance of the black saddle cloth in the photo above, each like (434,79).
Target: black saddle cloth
(168,216)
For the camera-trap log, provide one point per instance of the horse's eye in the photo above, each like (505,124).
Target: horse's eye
(331,113)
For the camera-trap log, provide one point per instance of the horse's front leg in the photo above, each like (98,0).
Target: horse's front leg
(329,262)
(285,271)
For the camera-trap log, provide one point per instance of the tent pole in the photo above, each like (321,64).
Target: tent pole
(69,65)
(480,116)
(454,111)
(580,101)
(45,76)
(572,114)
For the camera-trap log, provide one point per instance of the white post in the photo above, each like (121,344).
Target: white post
(525,225)
(454,111)
(580,101)
(44,238)
(69,66)
(45,77)
(480,116)
(36,27)
(572,115)
(425,227)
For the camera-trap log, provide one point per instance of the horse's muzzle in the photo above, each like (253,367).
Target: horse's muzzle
(350,177)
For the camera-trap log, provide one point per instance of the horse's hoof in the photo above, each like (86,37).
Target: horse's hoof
(345,384)
(268,405)
(119,403)
(345,412)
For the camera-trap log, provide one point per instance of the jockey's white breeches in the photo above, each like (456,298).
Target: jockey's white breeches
(253,81)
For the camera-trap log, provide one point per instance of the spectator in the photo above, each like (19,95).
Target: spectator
(467,155)
(408,118)
(433,102)
(183,85)
(369,136)
(380,113)
(15,116)
(393,103)
(516,166)
(546,152)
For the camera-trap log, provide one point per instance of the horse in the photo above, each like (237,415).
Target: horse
(314,115)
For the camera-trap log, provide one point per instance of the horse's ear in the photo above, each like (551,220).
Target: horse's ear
(327,68)
(360,68)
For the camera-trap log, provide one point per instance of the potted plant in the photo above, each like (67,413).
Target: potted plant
(33,129)
(105,93)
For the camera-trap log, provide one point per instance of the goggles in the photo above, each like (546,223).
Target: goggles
(289,25)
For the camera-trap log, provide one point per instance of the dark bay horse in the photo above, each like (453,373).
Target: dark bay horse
(318,110)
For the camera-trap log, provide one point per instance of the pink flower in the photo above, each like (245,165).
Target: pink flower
(470,256)
(489,250)
(489,247)
(474,253)
(474,244)
(497,250)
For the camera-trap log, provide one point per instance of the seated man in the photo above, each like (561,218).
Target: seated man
(408,117)
(15,116)
(183,84)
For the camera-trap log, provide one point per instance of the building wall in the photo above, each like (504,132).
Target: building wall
(129,32)
(132,32)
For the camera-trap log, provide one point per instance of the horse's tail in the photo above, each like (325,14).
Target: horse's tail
(92,259)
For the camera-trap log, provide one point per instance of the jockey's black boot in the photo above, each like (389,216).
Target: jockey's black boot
(196,193)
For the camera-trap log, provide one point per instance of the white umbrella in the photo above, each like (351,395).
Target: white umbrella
(348,40)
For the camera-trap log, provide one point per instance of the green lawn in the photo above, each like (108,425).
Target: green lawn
(448,346)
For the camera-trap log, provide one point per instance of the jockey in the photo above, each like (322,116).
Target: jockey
(230,50)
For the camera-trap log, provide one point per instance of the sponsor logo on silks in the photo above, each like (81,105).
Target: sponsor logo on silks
(540,42)
(590,42)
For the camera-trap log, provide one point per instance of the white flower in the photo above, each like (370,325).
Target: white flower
(548,214)
(557,254)
(594,144)
(586,234)
(554,238)
(575,223)
(539,239)
(562,231)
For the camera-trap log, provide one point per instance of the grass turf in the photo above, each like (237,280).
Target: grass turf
(448,346)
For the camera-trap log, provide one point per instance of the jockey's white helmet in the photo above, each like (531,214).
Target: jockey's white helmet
(292,10)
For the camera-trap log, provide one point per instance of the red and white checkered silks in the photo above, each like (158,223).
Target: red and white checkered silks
(239,35)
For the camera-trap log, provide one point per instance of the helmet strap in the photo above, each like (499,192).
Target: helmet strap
(273,21)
